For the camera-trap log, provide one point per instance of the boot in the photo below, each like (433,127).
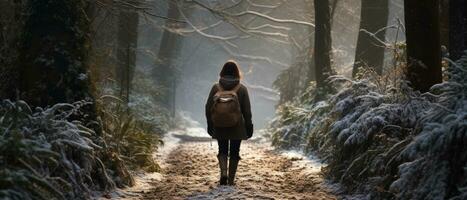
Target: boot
(223,166)
(233,163)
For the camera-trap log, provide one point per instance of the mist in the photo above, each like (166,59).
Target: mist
(313,99)
(261,53)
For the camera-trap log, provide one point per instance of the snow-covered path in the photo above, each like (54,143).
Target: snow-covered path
(190,171)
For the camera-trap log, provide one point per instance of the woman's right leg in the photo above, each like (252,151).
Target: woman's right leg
(223,147)
(233,161)
(222,157)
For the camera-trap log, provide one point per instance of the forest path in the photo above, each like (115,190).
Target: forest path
(190,171)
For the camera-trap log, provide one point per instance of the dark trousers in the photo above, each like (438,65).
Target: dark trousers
(234,148)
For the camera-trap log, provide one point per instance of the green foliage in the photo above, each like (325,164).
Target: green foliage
(292,81)
(126,135)
(133,130)
(146,103)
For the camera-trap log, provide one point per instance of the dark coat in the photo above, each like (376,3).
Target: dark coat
(237,132)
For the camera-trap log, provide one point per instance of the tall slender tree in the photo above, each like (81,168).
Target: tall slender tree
(311,72)
(165,70)
(458,28)
(373,20)
(423,43)
(322,41)
(8,49)
(444,22)
(127,40)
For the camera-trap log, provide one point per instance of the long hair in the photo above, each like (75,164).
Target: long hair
(231,68)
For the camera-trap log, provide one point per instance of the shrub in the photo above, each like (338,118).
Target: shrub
(380,137)
(45,156)
(126,135)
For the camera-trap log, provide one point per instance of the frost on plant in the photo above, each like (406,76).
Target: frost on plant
(45,156)
(385,139)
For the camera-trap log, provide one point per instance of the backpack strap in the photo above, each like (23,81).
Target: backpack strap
(236,88)
(219,87)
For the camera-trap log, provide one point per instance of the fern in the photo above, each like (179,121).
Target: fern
(380,137)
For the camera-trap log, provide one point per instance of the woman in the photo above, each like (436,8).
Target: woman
(226,98)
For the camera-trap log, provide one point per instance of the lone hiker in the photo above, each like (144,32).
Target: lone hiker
(228,116)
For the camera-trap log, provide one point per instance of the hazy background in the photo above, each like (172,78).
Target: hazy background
(261,58)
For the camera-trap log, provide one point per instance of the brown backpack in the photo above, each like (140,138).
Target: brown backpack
(226,111)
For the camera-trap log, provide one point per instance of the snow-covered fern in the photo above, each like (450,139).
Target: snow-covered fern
(45,156)
(385,139)
(436,166)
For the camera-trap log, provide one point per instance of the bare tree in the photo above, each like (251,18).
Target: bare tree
(373,22)
(444,22)
(127,40)
(322,48)
(423,43)
(166,69)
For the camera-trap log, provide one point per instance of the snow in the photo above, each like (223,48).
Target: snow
(53,151)
(310,163)
(256,154)
(389,141)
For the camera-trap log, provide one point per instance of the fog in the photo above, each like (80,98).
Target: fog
(207,40)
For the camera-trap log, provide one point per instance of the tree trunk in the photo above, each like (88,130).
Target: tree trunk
(458,28)
(311,72)
(5,90)
(9,38)
(369,51)
(53,57)
(126,50)
(444,22)
(322,42)
(53,53)
(423,43)
(165,70)
(333,9)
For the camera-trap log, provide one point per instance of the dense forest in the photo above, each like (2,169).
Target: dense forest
(351,99)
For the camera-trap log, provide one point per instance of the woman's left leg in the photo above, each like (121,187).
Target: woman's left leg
(233,161)
(222,158)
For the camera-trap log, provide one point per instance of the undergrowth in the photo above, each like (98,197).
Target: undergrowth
(127,135)
(46,154)
(43,155)
(381,138)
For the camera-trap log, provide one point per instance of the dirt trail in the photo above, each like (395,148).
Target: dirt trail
(190,171)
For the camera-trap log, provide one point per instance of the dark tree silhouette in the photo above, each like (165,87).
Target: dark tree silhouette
(458,28)
(53,53)
(322,50)
(423,43)
(311,71)
(370,52)
(311,76)
(126,53)
(10,11)
(53,57)
(444,22)
(165,70)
